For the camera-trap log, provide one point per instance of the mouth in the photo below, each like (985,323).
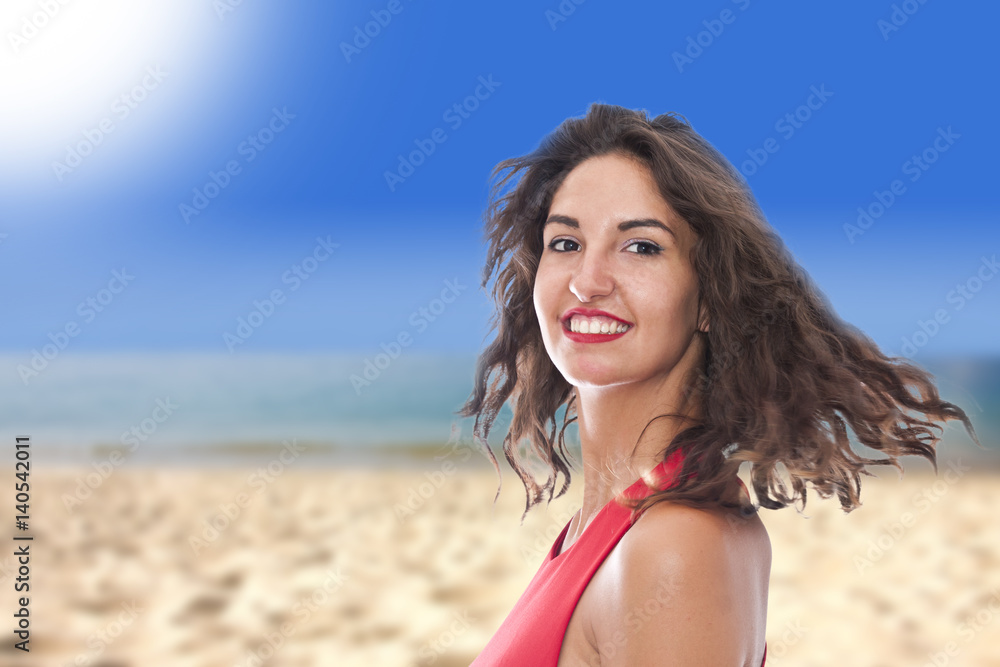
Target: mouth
(591,322)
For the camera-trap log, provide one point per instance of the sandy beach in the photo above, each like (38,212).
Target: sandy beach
(306,565)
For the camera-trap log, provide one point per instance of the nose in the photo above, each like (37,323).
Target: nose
(592,277)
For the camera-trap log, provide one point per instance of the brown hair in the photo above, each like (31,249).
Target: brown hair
(782,376)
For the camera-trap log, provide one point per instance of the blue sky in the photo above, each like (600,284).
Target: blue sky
(178,92)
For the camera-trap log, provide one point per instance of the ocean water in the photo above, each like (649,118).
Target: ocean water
(183,404)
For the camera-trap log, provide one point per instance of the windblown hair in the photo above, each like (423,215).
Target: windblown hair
(782,377)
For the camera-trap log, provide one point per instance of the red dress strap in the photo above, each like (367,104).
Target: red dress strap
(533,632)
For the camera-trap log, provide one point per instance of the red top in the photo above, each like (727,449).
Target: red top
(533,632)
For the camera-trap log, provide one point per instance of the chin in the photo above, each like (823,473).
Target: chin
(593,374)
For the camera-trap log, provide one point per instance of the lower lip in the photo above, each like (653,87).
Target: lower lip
(593,338)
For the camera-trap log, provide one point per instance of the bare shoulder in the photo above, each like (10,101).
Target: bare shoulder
(722,530)
(684,586)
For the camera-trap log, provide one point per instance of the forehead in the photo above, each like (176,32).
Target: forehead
(607,189)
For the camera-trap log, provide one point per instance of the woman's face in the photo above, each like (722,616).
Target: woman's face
(613,244)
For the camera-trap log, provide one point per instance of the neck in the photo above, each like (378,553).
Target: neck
(611,420)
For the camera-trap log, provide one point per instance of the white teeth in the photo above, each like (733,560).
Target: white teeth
(593,326)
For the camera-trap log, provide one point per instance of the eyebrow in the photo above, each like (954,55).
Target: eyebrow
(626,225)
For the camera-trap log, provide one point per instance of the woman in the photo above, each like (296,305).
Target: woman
(639,285)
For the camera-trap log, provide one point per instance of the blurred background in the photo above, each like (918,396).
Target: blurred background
(241,247)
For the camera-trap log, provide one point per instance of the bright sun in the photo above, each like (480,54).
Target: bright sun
(66,64)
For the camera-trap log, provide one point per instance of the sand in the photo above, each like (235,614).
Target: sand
(321,566)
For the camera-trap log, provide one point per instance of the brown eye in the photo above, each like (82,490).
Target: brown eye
(552,244)
(652,248)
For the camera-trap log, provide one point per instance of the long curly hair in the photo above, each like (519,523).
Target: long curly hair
(782,377)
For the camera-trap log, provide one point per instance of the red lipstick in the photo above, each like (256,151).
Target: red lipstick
(591,337)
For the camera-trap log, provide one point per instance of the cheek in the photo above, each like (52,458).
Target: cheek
(667,303)
(542,294)
(538,297)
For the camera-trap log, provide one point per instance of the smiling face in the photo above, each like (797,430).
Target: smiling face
(612,243)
